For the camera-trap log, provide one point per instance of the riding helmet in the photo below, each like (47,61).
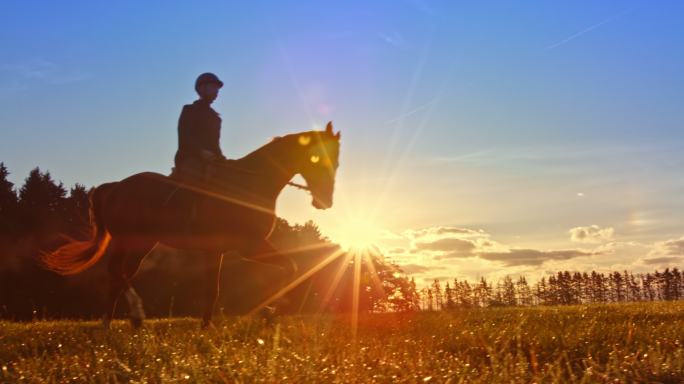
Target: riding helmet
(207,77)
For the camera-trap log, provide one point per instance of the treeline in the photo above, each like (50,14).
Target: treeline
(41,207)
(563,288)
(42,213)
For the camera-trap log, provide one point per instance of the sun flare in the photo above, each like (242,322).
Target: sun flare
(357,234)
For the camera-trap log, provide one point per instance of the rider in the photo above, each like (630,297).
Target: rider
(199,130)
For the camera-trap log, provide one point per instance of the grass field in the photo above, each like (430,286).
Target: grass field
(602,343)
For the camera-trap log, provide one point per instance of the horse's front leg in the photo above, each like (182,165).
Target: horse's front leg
(213,277)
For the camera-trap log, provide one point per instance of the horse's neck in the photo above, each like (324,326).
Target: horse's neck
(268,166)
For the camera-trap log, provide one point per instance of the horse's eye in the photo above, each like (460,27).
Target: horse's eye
(315,159)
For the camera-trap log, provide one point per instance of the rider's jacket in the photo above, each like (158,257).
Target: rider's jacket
(199,130)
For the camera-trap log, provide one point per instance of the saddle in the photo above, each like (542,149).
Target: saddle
(186,179)
(189,179)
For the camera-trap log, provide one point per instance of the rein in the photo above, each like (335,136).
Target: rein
(300,186)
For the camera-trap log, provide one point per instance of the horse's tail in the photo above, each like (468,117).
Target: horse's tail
(77,256)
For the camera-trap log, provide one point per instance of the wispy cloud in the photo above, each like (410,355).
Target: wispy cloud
(411,112)
(665,260)
(423,6)
(515,257)
(43,71)
(589,29)
(393,38)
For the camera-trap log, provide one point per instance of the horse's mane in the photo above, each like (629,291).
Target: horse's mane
(289,139)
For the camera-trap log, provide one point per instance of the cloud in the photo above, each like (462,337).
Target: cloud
(441,231)
(591,234)
(417,268)
(442,242)
(454,255)
(663,260)
(43,71)
(397,250)
(471,253)
(447,244)
(515,257)
(673,247)
(442,278)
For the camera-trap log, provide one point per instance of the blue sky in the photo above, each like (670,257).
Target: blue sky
(521,119)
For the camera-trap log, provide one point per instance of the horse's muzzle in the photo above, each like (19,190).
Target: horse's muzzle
(319,204)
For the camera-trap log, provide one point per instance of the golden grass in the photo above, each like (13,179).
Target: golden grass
(597,343)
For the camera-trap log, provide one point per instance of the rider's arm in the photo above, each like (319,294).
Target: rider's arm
(217,147)
(187,139)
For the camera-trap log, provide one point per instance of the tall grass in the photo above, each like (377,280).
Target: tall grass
(597,343)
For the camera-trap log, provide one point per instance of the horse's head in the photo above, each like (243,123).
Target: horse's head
(318,163)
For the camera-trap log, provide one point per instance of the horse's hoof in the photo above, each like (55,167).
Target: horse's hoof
(207,325)
(267,314)
(136,322)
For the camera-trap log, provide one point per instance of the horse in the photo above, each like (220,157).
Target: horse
(233,211)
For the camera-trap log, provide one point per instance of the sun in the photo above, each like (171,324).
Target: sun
(357,234)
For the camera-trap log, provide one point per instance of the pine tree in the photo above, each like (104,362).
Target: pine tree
(466,298)
(415,295)
(77,205)
(508,292)
(587,288)
(617,286)
(667,284)
(437,294)
(41,203)
(542,292)
(483,293)
(577,288)
(649,289)
(633,288)
(449,302)
(524,294)
(8,203)
(677,287)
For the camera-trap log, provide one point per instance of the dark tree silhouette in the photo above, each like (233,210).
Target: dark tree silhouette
(8,204)
(42,212)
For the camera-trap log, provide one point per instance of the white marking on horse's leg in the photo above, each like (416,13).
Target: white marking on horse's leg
(135,305)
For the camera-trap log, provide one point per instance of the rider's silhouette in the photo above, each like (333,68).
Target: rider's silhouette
(199,130)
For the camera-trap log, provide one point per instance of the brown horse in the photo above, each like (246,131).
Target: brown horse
(233,211)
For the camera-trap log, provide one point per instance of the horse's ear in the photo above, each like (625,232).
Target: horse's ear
(337,135)
(329,128)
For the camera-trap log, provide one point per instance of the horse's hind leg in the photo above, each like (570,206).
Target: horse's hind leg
(126,257)
(213,273)
(117,280)
(132,264)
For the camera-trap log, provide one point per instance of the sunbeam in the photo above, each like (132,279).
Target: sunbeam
(338,252)
(335,282)
(355,294)
(375,279)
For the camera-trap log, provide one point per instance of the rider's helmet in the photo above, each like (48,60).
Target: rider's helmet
(207,77)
